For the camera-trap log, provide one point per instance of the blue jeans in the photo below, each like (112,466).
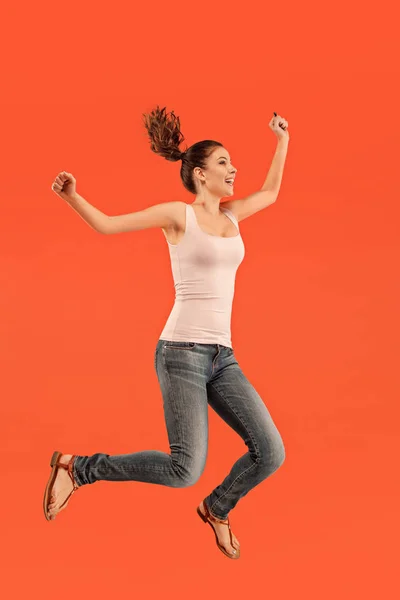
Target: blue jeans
(191,376)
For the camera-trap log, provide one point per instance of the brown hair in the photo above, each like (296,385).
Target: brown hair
(165,136)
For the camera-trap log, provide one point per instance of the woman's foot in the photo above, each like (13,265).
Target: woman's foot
(62,487)
(222,532)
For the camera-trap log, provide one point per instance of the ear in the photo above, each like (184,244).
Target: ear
(199,173)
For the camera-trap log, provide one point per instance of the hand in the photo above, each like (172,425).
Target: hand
(279,126)
(64,185)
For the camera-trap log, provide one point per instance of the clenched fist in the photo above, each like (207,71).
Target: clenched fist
(64,185)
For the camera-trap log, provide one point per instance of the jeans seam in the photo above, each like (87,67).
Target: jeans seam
(233,482)
(251,437)
(172,403)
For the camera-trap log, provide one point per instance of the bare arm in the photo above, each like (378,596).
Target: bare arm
(242,209)
(96,219)
(275,173)
(158,215)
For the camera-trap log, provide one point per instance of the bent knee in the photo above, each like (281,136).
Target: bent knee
(273,457)
(187,481)
(188,477)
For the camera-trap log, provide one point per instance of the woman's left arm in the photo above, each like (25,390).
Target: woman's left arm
(275,173)
(270,189)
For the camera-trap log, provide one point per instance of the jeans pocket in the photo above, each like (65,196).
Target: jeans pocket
(179,345)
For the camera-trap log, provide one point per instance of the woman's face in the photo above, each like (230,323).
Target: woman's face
(219,169)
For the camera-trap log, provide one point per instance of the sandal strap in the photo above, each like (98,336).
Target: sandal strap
(67,498)
(69,467)
(211,517)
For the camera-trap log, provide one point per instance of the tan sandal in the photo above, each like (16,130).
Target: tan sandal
(209,518)
(49,487)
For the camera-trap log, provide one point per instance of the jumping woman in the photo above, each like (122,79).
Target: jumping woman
(194,358)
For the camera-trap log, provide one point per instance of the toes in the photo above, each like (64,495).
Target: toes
(235,541)
(235,545)
(232,548)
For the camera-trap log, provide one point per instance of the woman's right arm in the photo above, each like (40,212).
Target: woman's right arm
(159,215)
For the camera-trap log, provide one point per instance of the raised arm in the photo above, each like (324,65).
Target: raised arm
(159,215)
(242,209)
(270,189)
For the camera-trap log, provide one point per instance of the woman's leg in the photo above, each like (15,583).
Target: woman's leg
(183,384)
(233,397)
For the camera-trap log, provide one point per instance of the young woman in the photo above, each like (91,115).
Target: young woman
(194,358)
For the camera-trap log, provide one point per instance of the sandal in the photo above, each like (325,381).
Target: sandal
(209,518)
(49,487)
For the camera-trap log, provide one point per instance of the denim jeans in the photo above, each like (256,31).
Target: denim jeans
(193,375)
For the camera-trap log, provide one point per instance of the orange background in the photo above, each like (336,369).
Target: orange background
(315,323)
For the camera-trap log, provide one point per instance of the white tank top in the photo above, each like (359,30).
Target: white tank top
(204,269)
